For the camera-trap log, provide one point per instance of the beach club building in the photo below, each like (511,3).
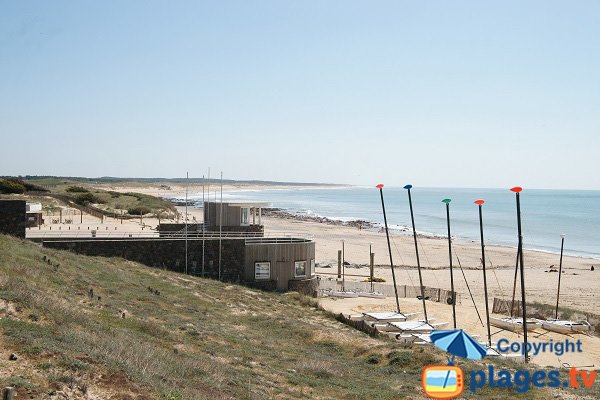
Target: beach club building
(231,246)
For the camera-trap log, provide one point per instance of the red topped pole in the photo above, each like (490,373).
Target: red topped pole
(517,190)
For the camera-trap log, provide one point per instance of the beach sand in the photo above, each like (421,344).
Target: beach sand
(580,287)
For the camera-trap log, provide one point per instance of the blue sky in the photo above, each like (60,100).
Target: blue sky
(437,93)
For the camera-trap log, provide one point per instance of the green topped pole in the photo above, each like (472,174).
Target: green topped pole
(447,202)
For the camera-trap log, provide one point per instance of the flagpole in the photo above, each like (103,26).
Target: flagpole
(186,219)
(203,223)
(412,218)
(447,201)
(220,224)
(485,291)
(387,234)
(517,190)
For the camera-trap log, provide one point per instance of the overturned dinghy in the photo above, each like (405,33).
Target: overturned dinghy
(342,294)
(492,352)
(514,324)
(414,338)
(561,326)
(372,295)
(384,317)
(408,327)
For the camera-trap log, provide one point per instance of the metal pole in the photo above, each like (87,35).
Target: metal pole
(371,266)
(186,219)
(220,223)
(562,245)
(517,191)
(447,201)
(380,187)
(208,195)
(512,303)
(203,223)
(412,218)
(485,291)
(343,266)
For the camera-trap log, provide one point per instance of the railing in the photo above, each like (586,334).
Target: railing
(277,239)
(250,237)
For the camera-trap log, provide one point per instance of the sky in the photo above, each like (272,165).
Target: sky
(436,93)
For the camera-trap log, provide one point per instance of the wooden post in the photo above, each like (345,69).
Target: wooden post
(8,393)
(372,269)
(339,264)
(81,217)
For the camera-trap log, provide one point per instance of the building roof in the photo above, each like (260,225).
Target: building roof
(242,203)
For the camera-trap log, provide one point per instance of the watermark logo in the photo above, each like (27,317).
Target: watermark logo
(442,382)
(447,381)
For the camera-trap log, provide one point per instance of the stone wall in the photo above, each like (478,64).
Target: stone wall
(13,217)
(309,287)
(167,253)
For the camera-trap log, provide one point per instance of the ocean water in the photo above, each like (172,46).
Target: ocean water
(545,213)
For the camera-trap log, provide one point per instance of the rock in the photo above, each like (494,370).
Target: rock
(13,357)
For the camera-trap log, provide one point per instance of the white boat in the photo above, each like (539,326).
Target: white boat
(385,316)
(408,326)
(342,294)
(372,295)
(492,352)
(565,327)
(514,324)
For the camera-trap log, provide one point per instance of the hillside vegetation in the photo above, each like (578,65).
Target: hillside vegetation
(105,328)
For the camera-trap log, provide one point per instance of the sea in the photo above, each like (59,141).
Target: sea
(546,214)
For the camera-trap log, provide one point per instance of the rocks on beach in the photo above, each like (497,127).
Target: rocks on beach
(279,213)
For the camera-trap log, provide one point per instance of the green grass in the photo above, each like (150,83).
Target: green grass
(198,339)
(105,201)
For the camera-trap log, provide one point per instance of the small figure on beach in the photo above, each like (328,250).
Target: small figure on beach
(591,269)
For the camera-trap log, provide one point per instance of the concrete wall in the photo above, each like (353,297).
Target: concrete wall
(13,217)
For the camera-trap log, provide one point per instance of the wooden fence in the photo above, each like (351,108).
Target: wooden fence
(404,291)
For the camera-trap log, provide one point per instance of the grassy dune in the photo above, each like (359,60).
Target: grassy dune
(101,328)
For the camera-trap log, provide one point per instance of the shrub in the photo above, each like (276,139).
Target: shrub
(402,359)
(374,359)
(85,198)
(138,210)
(9,186)
(77,189)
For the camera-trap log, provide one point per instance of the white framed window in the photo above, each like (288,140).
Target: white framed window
(312,267)
(262,270)
(299,269)
(245,216)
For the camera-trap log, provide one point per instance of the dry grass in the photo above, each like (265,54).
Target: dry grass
(197,339)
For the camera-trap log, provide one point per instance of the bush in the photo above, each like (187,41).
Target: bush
(402,359)
(77,189)
(18,185)
(374,359)
(138,210)
(10,186)
(85,198)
